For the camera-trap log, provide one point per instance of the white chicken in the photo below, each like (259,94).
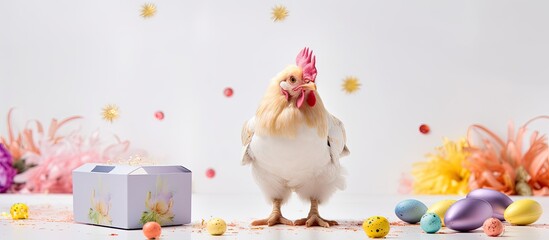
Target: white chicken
(293,144)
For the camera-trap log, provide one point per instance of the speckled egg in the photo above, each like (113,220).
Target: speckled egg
(467,214)
(493,227)
(376,227)
(19,211)
(410,210)
(440,208)
(499,201)
(216,226)
(523,212)
(430,223)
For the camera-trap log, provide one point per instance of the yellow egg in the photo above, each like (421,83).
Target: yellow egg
(19,211)
(376,227)
(523,212)
(440,208)
(216,226)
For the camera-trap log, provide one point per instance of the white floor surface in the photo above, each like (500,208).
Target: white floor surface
(52,219)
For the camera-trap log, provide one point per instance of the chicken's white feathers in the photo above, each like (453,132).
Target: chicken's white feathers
(307,164)
(246,136)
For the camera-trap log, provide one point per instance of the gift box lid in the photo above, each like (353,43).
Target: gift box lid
(130,169)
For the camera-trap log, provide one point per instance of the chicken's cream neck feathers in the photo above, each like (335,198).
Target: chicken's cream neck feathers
(277,116)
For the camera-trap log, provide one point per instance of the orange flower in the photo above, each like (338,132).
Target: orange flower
(496,164)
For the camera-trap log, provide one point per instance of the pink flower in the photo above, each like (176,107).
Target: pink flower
(53,170)
(7,172)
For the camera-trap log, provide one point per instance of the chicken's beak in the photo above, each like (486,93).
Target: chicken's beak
(309,86)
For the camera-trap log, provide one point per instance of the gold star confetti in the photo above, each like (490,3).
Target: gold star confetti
(110,113)
(351,84)
(148,10)
(279,13)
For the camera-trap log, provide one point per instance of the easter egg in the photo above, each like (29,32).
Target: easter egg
(493,227)
(410,210)
(216,226)
(523,212)
(376,227)
(152,230)
(499,201)
(19,211)
(440,208)
(467,214)
(430,223)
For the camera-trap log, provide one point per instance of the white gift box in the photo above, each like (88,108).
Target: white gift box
(127,197)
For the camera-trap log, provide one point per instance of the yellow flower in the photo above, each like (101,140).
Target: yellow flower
(351,84)
(444,172)
(159,205)
(99,211)
(279,13)
(110,113)
(148,10)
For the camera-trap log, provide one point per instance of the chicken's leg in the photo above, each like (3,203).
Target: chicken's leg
(275,217)
(314,219)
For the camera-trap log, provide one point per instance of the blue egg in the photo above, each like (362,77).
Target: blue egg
(410,210)
(430,223)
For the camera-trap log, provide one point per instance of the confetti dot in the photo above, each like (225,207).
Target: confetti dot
(159,115)
(424,128)
(228,92)
(210,173)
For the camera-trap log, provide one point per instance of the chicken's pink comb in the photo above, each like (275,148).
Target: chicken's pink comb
(306,60)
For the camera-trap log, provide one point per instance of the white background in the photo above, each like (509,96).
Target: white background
(445,63)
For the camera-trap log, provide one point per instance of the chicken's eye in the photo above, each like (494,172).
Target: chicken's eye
(292,79)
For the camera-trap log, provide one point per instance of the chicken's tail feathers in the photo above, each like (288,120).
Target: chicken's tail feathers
(247,157)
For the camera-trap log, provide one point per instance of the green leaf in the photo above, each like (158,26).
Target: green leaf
(21,165)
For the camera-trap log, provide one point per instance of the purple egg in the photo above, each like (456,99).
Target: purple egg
(498,200)
(467,214)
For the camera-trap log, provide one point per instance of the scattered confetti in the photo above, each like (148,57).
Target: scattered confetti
(210,173)
(399,223)
(148,10)
(351,84)
(159,115)
(114,234)
(424,128)
(279,13)
(228,92)
(110,113)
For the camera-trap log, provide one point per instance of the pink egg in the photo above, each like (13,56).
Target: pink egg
(493,227)
(152,230)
